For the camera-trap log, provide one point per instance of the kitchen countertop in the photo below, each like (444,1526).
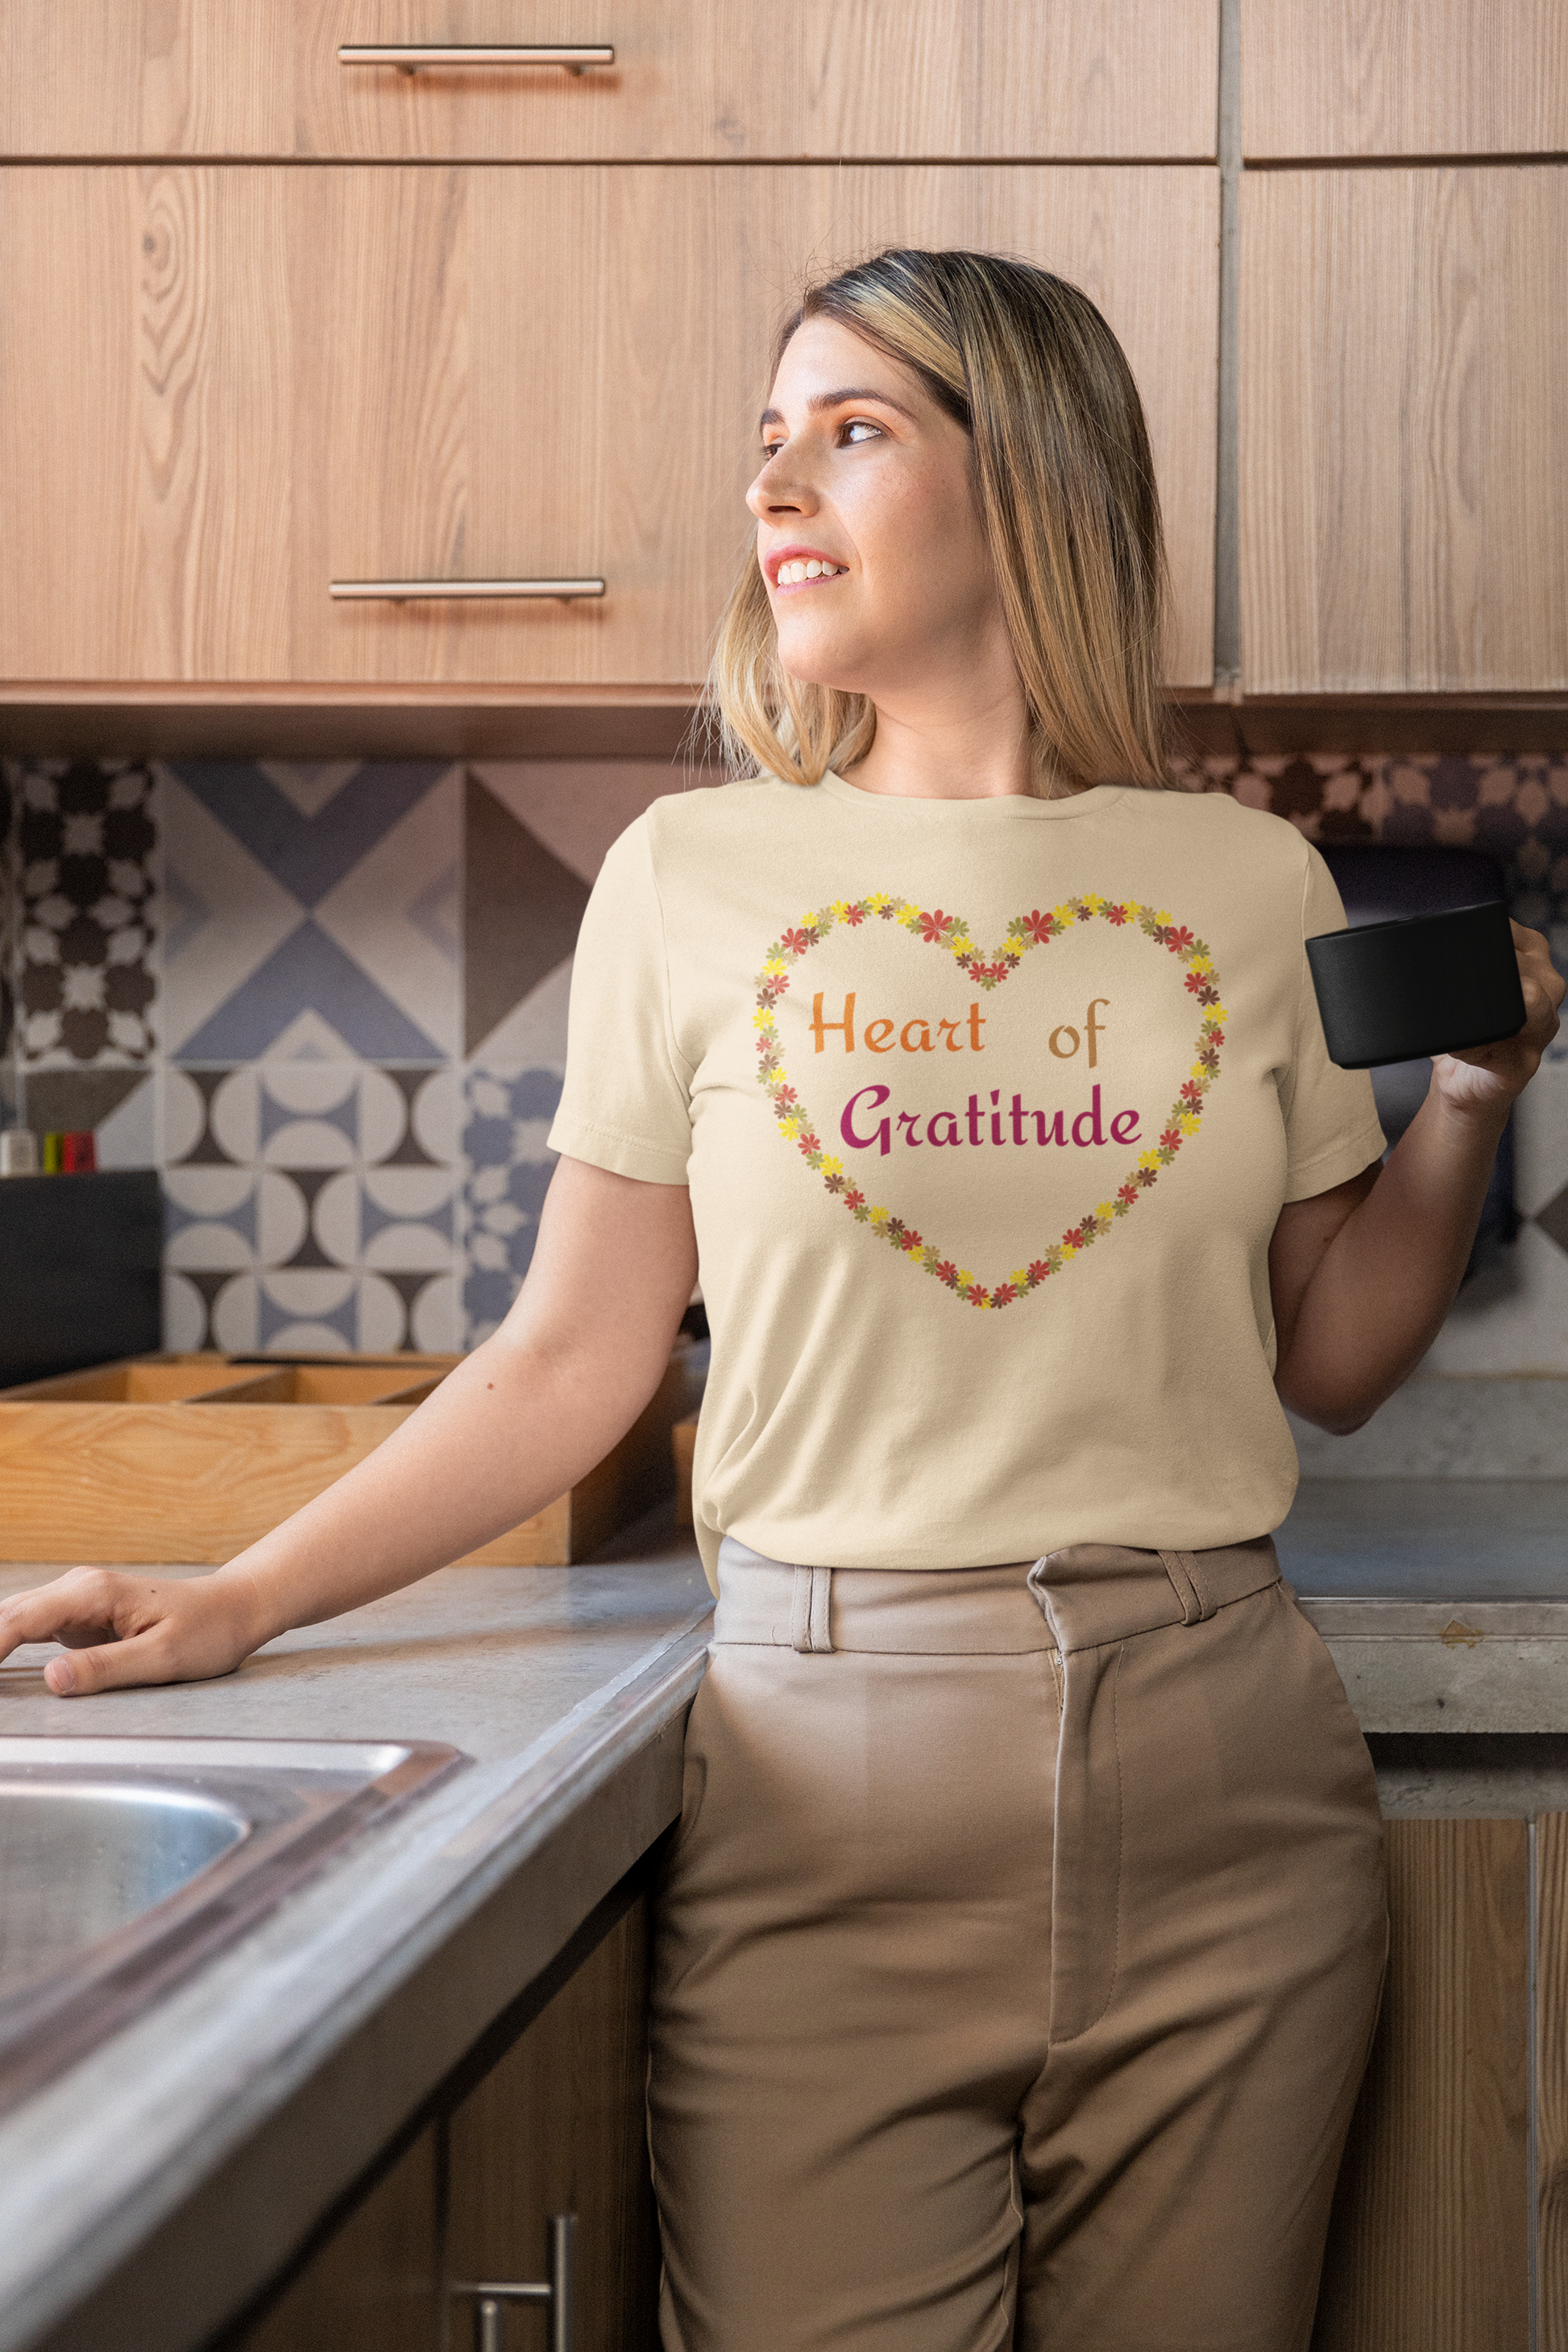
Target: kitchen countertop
(205,2140)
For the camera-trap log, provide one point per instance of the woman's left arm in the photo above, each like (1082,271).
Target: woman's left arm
(1362,1276)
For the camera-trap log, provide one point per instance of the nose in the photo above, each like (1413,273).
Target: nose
(780,488)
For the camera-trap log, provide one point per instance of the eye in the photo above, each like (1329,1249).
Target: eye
(771,449)
(862,425)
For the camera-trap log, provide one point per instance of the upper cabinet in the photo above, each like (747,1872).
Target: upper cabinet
(1403,416)
(687,79)
(1403,78)
(265,381)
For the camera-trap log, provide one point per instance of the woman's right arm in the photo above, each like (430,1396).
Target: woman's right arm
(511,1428)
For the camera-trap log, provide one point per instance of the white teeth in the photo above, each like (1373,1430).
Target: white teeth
(806,568)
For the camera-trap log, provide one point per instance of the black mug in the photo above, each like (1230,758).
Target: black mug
(1426,984)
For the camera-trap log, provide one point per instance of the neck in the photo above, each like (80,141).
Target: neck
(971,750)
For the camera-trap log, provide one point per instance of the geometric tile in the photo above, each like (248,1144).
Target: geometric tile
(533,1034)
(398,915)
(229,914)
(308,853)
(85,846)
(521,911)
(309,970)
(1552,1220)
(507,1172)
(63,1099)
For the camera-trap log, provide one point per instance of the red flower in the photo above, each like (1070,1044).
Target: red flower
(947,1272)
(935,927)
(1192,1093)
(853,1200)
(784,1096)
(1004,1295)
(1039,1269)
(1116,914)
(1216,1036)
(1178,938)
(912,1242)
(808,1144)
(1171,1137)
(795,942)
(1128,1192)
(1040,928)
(977,1298)
(853,915)
(1196,981)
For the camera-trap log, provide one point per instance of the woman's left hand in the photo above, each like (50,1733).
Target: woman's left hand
(1487,1078)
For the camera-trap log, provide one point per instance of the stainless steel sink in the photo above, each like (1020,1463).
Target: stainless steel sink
(126,1862)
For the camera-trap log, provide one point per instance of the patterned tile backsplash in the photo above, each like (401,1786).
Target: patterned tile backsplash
(329,1002)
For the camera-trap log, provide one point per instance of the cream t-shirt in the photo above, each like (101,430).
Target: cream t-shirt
(988,1109)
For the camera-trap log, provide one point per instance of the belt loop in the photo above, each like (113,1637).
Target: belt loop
(1181,1568)
(808,1627)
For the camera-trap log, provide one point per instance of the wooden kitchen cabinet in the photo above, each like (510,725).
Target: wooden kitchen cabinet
(1429,2245)
(556,2126)
(728,79)
(265,380)
(1404,412)
(1403,78)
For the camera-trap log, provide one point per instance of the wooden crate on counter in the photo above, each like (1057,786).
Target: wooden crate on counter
(184,1460)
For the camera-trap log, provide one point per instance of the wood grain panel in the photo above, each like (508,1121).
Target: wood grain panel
(558,2126)
(1428,2248)
(727,79)
(147,379)
(616,330)
(1326,78)
(373,2287)
(1551,2082)
(1404,413)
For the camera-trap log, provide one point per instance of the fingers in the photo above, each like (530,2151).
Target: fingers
(84,1605)
(113,1667)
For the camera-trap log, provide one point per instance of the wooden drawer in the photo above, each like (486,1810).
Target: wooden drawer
(188,1459)
(1326,78)
(1404,412)
(729,79)
(264,380)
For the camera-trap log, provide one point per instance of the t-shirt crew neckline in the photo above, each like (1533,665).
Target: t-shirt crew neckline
(993,809)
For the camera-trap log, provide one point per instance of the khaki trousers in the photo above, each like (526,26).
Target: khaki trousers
(1017,1960)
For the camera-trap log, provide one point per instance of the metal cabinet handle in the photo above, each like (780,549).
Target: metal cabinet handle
(556,2292)
(403,591)
(408,57)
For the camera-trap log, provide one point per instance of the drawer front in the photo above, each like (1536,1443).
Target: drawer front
(728,79)
(268,380)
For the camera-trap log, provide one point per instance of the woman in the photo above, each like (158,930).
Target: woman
(1021,1940)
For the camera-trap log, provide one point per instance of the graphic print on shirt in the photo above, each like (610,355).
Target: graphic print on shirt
(842,1022)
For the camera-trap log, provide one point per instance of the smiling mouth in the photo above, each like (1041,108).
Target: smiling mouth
(805,572)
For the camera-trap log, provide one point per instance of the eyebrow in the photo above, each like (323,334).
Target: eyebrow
(852,393)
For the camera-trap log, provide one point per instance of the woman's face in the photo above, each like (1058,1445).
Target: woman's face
(878,569)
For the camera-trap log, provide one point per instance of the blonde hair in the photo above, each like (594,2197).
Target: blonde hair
(1065,486)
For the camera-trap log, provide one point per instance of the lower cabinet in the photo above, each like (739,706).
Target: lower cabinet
(555,2126)
(1450,2224)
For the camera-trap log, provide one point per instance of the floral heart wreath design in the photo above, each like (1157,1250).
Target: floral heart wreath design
(1024,932)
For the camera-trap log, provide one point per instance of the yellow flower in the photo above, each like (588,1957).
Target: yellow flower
(910,920)
(1198,1072)
(1187,1121)
(763,1019)
(879,1216)
(1092,900)
(1106,1209)
(775,963)
(965,1280)
(1063,913)
(1162,916)
(1019,1278)
(1200,963)
(832,1167)
(1070,1249)
(792,1123)
(1217,1013)
(1134,910)
(1148,1160)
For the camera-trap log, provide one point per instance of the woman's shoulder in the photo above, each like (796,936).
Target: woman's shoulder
(720,818)
(1216,825)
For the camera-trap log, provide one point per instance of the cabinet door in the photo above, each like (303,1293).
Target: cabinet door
(1404,414)
(723,79)
(372,2287)
(1551,2082)
(1327,78)
(1429,2245)
(559,2126)
(222,389)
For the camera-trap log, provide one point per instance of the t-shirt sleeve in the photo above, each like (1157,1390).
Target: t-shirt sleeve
(627,1102)
(1332,1129)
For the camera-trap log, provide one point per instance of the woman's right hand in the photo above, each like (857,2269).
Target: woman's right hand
(119,1629)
